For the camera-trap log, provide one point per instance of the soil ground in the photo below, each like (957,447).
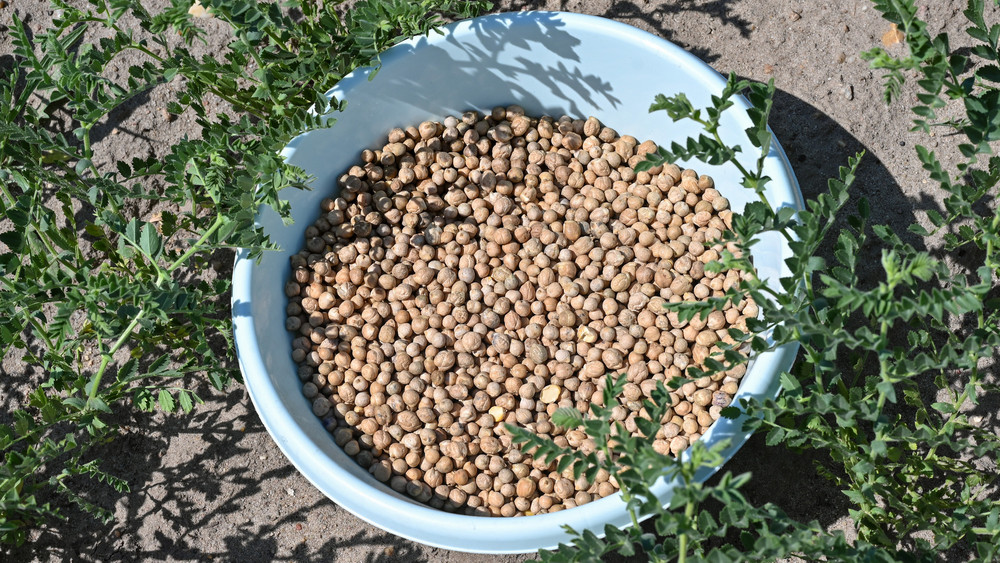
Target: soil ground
(214,486)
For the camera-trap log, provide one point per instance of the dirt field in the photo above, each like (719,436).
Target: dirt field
(214,486)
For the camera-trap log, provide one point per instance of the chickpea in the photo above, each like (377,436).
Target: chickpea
(525,261)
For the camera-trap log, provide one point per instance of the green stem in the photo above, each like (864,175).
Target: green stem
(52,250)
(990,263)
(238,105)
(957,404)
(127,333)
(606,448)
(219,220)
(883,366)
(41,236)
(277,41)
(107,356)
(682,539)
(88,153)
(143,49)
(40,332)
(746,173)
(253,53)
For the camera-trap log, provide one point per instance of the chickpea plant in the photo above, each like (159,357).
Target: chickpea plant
(919,473)
(110,310)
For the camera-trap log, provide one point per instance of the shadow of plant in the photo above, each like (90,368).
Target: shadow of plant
(649,16)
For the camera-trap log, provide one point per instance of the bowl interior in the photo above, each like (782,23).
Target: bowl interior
(549,63)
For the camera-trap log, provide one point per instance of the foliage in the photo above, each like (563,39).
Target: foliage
(85,279)
(891,371)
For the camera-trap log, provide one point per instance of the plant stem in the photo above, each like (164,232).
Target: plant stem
(219,220)
(143,49)
(127,333)
(746,173)
(958,405)
(40,331)
(277,41)
(107,356)
(88,153)
(682,539)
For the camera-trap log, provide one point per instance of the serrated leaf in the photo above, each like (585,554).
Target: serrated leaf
(991,73)
(165,400)
(730,412)
(98,404)
(18,216)
(775,436)
(185,400)
(93,230)
(567,417)
(945,408)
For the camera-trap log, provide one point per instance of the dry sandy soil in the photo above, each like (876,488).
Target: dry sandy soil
(213,485)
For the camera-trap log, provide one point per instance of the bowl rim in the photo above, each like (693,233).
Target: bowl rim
(367,501)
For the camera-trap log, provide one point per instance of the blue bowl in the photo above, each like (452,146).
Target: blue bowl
(549,63)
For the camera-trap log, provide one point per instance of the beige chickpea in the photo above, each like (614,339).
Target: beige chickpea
(526,260)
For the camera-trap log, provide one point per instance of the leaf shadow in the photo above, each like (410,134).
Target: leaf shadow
(652,17)
(211,485)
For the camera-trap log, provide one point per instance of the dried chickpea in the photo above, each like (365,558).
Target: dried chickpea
(488,269)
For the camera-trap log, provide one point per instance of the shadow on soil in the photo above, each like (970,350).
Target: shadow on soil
(653,17)
(171,502)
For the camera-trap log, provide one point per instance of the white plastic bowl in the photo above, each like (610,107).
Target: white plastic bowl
(550,63)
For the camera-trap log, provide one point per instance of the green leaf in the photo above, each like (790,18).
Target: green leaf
(19,217)
(991,73)
(149,241)
(730,412)
(14,240)
(97,403)
(82,165)
(165,400)
(945,408)
(93,230)
(789,383)
(888,389)
(775,436)
(185,401)
(567,417)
